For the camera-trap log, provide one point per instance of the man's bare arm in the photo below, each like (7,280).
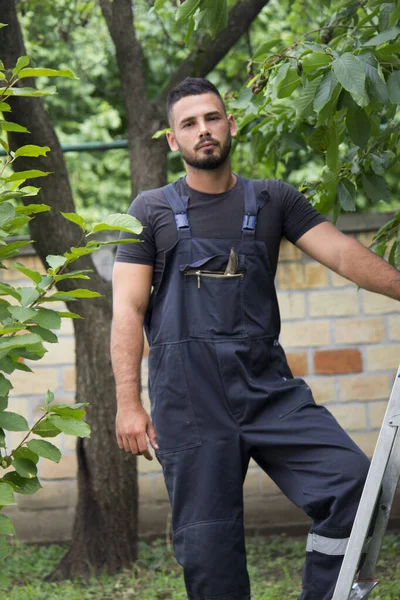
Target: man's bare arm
(131,292)
(349,258)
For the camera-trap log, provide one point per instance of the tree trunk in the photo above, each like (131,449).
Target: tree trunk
(105,528)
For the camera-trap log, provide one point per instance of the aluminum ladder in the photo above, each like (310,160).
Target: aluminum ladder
(378,494)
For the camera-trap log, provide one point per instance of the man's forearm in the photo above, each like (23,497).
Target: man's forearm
(126,357)
(369,271)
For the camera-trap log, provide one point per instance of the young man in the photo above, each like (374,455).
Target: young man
(220,388)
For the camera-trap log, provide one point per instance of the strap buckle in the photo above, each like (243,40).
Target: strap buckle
(182,221)
(249,222)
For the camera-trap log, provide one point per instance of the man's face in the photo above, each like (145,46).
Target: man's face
(202,132)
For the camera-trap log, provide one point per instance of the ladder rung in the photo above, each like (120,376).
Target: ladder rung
(362,587)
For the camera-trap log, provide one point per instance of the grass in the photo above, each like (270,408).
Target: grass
(274,566)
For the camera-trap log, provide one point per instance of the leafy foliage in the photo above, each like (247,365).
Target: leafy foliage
(25,326)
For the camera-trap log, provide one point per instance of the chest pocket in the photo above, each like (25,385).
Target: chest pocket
(214,296)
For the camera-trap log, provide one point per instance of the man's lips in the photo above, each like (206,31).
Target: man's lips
(207,145)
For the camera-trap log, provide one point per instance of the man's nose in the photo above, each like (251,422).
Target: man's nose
(203,128)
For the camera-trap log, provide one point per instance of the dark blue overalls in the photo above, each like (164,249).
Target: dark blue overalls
(221,393)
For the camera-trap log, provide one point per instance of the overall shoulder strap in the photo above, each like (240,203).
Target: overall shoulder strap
(250,210)
(179,205)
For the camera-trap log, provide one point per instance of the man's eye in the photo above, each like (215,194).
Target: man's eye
(187,125)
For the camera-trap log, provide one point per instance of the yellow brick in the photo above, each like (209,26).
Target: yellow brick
(148,466)
(302,276)
(69,442)
(67,327)
(289,252)
(366,238)
(364,387)
(315,333)
(394,328)
(383,357)
(65,469)
(146,489)
(335,304)
(323,388)
(251,484)
(376,304)
(19,405)
(61,353)
(26,384)
(358,331)
(339,281)
(292,306)
(69,379)
(350,417)
(377,412)
(366,441)
(51,495)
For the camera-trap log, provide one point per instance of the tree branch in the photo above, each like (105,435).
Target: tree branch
(208,53)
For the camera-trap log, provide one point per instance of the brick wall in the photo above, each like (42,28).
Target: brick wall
(344,342)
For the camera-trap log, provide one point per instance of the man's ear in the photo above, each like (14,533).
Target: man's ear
(232,125)
(172,141)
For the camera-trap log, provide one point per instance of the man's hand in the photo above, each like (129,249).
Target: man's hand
(131,427)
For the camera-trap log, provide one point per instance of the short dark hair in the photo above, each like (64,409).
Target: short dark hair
(191,86)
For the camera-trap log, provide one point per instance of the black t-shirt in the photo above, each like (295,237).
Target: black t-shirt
(283,211)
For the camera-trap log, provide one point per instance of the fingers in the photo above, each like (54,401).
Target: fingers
(143,448)
(152,436)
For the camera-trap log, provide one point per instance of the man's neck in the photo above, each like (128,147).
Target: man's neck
(216,181)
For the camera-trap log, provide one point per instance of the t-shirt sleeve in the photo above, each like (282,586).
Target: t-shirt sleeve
(299,216)
(144,251)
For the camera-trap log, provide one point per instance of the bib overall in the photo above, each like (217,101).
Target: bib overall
(221,393)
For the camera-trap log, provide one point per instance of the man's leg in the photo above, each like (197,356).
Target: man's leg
(317,465)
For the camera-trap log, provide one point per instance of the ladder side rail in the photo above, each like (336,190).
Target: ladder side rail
(389,487)
(369,496)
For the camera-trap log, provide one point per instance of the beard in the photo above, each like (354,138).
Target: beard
(212,159)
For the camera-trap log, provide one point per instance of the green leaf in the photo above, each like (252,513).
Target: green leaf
(160,133)
(49,398)
(315,60)
(385,36)
(8,126)
(375,187)
(30,92)
(46,429)
(78,252)
(8,290)
(118,222)
(6,494)
(13,422)
(25,468)
(217,16)
(6,526)
(263,50)
(45,334)
(55,261)
(47,318)
(5,387)
(21,314)
(25,452)
(346,192)
(332,152)
(32,209)
(186,10)
(4,401)
(29,295)
(305,100)
(394,87)
(77,219)
(74,275)
(19,341)
(7,212)
(289,83)
(31,150)
(5,107)
(5,548)
(22,62)
(326,90)
(359,127)
(69,315)
(71,426)
(350,73)
(5,581)
(2,438)
(319,140)
(70,412)
(34,351)
(40,72)
(376,83)
(81,293)
(395,16)
(33,275)
(22,485)
(159,4)
(32,174)
(45,449)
